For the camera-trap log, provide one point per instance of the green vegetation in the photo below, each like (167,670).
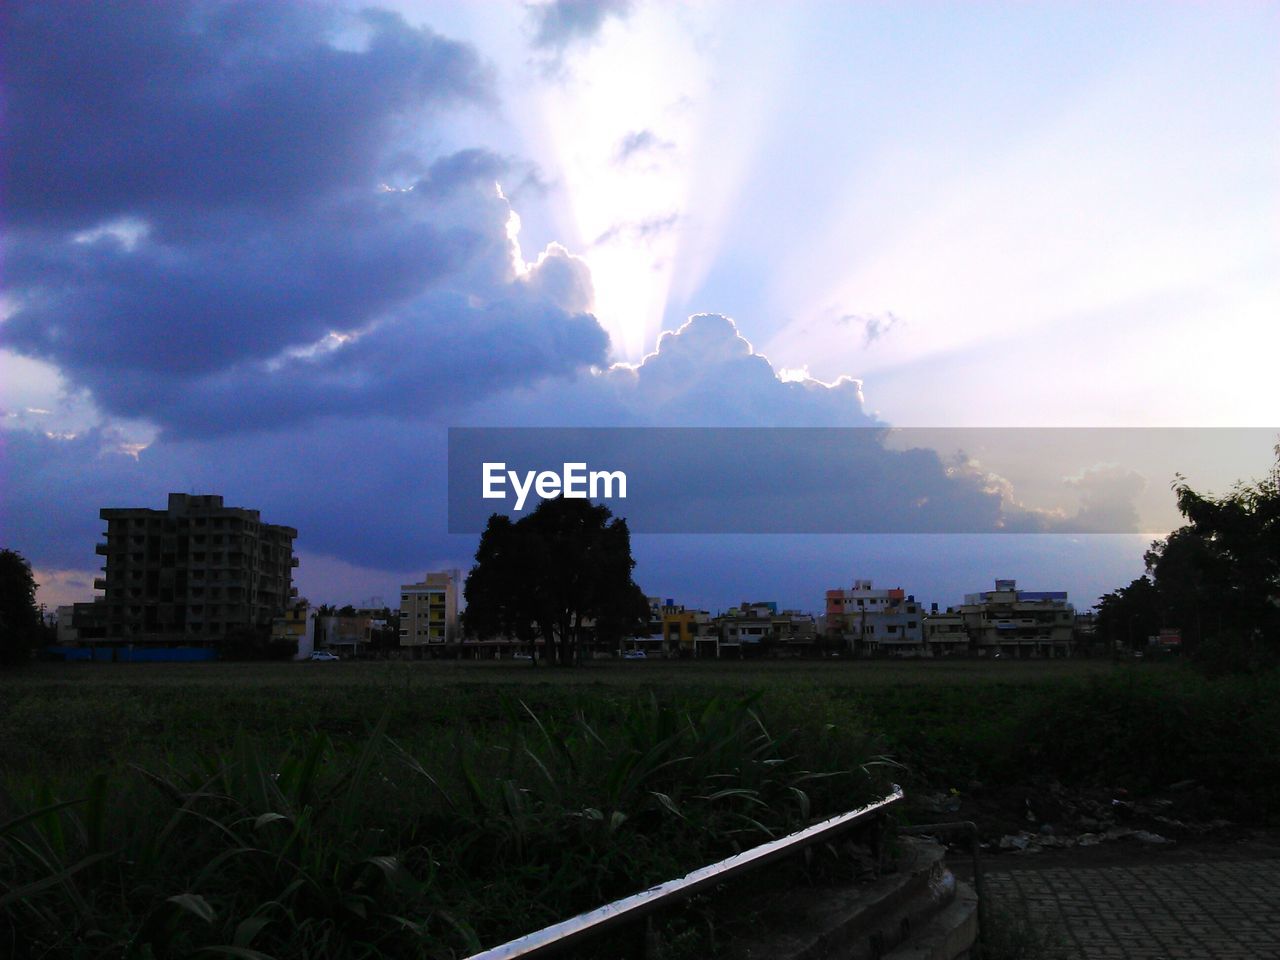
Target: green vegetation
(22,627)
(1216,579)
(415,809)
(425,844)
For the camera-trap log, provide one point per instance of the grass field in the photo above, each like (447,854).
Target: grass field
(720,673)
(59,716)
(421,809)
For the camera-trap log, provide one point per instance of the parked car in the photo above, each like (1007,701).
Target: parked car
(323,656)
(635,655)
(521,656)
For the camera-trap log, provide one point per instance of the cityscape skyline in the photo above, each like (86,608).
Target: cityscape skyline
(277,252)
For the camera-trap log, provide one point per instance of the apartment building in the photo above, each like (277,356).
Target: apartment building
(945,634)
(871,621)
(429,611)
(1009,622)
(188,574)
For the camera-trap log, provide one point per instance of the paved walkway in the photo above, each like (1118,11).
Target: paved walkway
(1162,911)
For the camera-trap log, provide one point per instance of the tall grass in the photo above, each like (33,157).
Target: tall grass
(392,851)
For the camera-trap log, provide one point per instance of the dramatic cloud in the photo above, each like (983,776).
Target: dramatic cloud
(138,108)
(220,219)
(1108,496)
(560,23)
(368,490)
(252,227)
(707,375)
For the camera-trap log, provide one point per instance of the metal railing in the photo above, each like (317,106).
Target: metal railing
(566,933)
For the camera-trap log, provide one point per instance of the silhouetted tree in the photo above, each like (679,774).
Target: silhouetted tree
(21,625)
(1217,578)
(1130,615)
(557,573)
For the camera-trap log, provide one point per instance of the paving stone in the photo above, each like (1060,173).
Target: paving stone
(1187,911)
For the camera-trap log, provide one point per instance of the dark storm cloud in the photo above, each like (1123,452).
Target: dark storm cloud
(391,371)
(54,487)
(197,199)
(369,489)
(141,108)
(562,22)
(706,374)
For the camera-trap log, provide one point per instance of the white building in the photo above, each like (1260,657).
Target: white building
(876,621)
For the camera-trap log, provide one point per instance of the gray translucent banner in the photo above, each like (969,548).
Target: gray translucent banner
(852,480)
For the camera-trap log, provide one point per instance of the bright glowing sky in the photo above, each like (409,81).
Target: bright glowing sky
(992,214)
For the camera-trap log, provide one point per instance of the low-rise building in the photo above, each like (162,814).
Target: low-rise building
(945,634)
(761,629)
(870,621)
(1009,622)
(68,635)
(298,624)
(686,633)
(347,635)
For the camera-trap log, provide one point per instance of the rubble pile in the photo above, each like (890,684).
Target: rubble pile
(1048,816)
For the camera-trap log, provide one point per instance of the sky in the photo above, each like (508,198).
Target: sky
(274,251)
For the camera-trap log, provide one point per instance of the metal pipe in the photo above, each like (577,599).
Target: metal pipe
(566,933)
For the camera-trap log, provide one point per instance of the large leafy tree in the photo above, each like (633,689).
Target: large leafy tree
(1218,576)
(1130,614)
(557,574)
(21,625)
(1224,565)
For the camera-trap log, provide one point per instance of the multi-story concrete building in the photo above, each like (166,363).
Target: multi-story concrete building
(752,629)
(945,634)
(744,630)
(188,574)
(1010,622)
(429,611)
(796,632)
(876,621)
(686,632)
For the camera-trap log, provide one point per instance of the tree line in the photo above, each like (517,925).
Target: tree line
(1216,578)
